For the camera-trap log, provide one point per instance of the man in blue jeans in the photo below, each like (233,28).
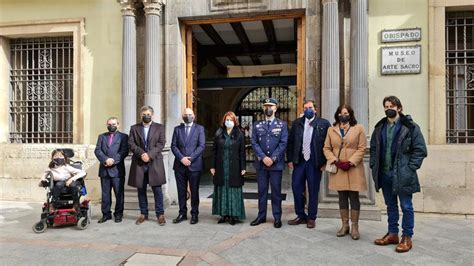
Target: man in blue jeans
(397,150)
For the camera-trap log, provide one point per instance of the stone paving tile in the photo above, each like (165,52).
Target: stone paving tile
(20,254)
(210,257)
(189,261)
(144,259)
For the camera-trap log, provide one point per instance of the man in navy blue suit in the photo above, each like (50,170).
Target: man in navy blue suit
(306,158)
(269,140)
(187,145)
(111,150)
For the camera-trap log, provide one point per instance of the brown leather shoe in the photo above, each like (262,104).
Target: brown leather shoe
(405,245)
(387,240)
(161,220)
(297,221)
(311,224)
(142,218)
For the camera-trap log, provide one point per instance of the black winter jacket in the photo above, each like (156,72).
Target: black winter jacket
(409,155)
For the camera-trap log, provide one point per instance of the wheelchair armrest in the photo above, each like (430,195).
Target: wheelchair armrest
(44,183)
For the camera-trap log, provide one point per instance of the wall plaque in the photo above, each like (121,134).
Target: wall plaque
(401,60)
(401,35)
(221,5)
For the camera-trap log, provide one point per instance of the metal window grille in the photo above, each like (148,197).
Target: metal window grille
(41,90)
(459,77)
(250,110)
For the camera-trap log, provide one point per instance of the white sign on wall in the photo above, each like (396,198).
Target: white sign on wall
(401,35)
(401,60)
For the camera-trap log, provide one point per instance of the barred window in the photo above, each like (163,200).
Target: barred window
(41,90)
(460,77)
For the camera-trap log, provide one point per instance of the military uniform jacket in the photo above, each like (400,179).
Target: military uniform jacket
(270,141)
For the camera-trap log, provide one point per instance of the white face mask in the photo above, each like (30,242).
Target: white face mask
(229,124)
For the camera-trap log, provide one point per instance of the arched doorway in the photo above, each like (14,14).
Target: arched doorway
(249,110)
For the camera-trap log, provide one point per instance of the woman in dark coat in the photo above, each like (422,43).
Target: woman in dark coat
(228,170)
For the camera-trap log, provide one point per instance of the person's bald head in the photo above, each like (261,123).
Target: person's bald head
(188,115)
(188,111)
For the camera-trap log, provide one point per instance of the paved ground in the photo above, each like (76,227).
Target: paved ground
(439,240)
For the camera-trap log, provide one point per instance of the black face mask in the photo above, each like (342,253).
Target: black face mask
(390,113)
(146,119)
(268,112)
(111,128)
(344,118)
(188,119)
(59,161)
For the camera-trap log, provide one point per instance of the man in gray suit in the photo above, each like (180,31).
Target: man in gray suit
(187,145)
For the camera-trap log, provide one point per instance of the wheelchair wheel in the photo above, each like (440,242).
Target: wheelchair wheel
(40,227)
(83,223)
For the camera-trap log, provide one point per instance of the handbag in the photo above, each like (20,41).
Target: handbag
(332,168)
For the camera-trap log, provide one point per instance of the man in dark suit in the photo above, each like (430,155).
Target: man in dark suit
(187,146)
(306,158)
(111,150)
(146,141)
(269,140)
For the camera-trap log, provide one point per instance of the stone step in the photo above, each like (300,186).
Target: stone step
(131,200)
(367,212)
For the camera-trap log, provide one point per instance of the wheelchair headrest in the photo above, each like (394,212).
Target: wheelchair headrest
(68,152)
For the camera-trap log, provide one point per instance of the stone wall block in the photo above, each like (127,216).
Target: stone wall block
(448,200)
(435,174)
(470,176)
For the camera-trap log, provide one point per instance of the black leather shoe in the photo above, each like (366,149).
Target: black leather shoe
(222,220)
(118,219)
(194,220)
(104,219)
(180,218)
(257,222)
(234,220)
(277,224)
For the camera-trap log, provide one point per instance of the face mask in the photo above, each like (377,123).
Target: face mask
(229,124)
(268,112)
(188,119)
(146,119)
(390,113)
(58,161)
(111,128)
(344,118)
(309,113)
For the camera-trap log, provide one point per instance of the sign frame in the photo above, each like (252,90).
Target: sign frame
(393,40)
(399,72)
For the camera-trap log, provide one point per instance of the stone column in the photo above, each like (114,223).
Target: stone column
(359,60)
(153,88)
(330,60)
(129,65)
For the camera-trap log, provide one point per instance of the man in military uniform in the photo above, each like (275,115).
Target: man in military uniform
(269,140)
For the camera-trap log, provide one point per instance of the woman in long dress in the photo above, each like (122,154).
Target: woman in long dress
(228,170)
